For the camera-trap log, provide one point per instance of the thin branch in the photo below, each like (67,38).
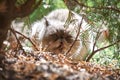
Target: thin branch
(96,39)
(75,37)
(94,44)
(28,39)
(20,46)
(88,59)
(110,8)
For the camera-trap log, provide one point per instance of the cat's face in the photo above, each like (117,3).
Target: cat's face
(59,42)
(55,36)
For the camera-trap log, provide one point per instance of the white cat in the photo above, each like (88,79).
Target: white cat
(58,30)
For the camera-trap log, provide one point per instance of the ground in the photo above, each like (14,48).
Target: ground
(37,65)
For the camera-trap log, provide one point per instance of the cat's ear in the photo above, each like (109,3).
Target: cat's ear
(46,22)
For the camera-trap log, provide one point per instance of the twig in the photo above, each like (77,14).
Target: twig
(28,39)
(110,8)
(96,39)
(88,59)
(94,44)
(20,46)
(75,37)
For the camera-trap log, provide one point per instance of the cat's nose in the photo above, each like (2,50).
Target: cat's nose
(61,40)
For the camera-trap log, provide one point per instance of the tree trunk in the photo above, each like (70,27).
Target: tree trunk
(5,23)
(9,11)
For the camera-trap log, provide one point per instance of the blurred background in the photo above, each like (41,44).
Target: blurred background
(98,13)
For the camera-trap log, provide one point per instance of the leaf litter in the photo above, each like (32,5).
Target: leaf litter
(36,65)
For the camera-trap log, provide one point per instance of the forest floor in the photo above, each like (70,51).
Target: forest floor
(17,65)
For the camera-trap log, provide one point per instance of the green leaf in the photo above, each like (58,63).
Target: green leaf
(90,3)
(118,5)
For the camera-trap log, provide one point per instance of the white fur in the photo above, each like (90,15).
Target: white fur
(57,20)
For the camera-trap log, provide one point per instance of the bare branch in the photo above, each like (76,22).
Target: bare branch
(96,39)
(75,37)
(20,46)
(88,59)
(109,8)
(27,39)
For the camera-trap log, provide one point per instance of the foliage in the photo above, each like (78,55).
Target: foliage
(104,13)
(45,8)
(99,13)
(15,60)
